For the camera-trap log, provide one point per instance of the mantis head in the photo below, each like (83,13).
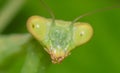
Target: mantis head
(59,38)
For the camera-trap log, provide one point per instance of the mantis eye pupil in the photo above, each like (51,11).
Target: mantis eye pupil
(33,26)
(82,33)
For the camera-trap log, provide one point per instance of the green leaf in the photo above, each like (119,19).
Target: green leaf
(8,12)
(22,54)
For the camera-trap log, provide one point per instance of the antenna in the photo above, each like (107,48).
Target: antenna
(49,11)
(96,11)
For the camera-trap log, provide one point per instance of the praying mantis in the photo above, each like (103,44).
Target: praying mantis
(59,37)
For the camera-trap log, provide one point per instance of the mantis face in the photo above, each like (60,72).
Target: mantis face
(59,38)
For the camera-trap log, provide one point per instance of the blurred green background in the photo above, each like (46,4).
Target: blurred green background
(100,55)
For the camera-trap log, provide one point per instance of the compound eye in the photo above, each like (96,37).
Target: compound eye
(37,26)
(82,33)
